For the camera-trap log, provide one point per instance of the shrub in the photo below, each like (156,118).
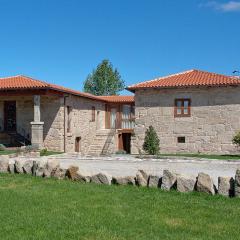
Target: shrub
(151,141)
(43,152)
(2,147)
(236,139)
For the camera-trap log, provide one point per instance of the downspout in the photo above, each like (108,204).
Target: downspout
(64,122)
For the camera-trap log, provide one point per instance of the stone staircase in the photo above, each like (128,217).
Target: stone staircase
(102,142)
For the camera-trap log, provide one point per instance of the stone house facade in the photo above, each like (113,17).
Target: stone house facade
(193,111)
(60,119)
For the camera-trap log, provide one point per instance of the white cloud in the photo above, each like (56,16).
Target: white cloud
(230,6)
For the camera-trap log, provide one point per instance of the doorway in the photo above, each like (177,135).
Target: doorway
(124,142)
(10,116)
(78,144)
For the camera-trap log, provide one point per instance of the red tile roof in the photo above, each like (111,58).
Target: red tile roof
(189,78)
(23,83)
(117,99)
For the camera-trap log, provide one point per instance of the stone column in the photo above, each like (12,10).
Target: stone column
(37,125)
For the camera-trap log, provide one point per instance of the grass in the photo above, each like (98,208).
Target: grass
(207,156)
(36,208)
(42,153)
(7,152)
(48,153)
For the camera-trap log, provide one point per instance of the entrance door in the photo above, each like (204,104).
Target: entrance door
(10,116)
(127,142)
(113,117)
(78,144)
(124,142)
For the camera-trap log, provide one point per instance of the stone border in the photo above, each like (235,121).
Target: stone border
(227,186)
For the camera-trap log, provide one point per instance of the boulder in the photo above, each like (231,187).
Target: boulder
(226,186)
(11,167)
(142,178)
(47,172)
(185,184)
(19,166)
(39,167)
(75,174)
(128,180)
(102,178)
(237,183)
(53,164)
(27,167)
(4,163)
(205,184)
(72,172)
(58,173)
(169,180)
(154,181)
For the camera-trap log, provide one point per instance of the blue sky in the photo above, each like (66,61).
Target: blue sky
(61,41)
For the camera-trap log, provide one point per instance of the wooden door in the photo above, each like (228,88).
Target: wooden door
(78,144)
(10,116)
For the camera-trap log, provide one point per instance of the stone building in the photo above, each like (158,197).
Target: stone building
(60,119)
(192,111)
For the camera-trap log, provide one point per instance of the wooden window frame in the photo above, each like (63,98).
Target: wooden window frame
(93,114)
(182,100)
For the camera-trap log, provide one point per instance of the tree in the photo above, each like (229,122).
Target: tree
(151,141)
(104,81)
(236,139)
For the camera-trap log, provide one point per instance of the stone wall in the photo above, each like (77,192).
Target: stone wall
(52,116)
(81,124)
(214,120)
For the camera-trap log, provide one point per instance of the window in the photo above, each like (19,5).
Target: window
(181,140)
(68,119)
(182,108)
(93,114)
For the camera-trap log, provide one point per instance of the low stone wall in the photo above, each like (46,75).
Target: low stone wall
(227,186)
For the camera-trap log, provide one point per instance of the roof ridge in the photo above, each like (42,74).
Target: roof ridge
(11,76)
(219,74)
(167,76)
(41,81)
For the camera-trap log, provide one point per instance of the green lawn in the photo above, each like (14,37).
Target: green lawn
(221,157)
(7,152)
(48,153)
(36,208)
(42,153)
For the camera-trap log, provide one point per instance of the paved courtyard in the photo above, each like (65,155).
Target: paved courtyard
(128,165)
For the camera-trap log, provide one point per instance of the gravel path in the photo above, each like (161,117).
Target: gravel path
(128,165)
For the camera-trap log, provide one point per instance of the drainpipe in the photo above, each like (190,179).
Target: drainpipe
(64,122)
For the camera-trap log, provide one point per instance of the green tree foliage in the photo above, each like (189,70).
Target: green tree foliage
(104,81)
(151,141)
(236,139)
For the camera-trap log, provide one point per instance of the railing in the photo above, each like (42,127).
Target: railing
(123,124)
(127,123)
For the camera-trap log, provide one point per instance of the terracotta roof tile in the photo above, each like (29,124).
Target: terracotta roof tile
(115,99)
(21,82)
(189,78)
